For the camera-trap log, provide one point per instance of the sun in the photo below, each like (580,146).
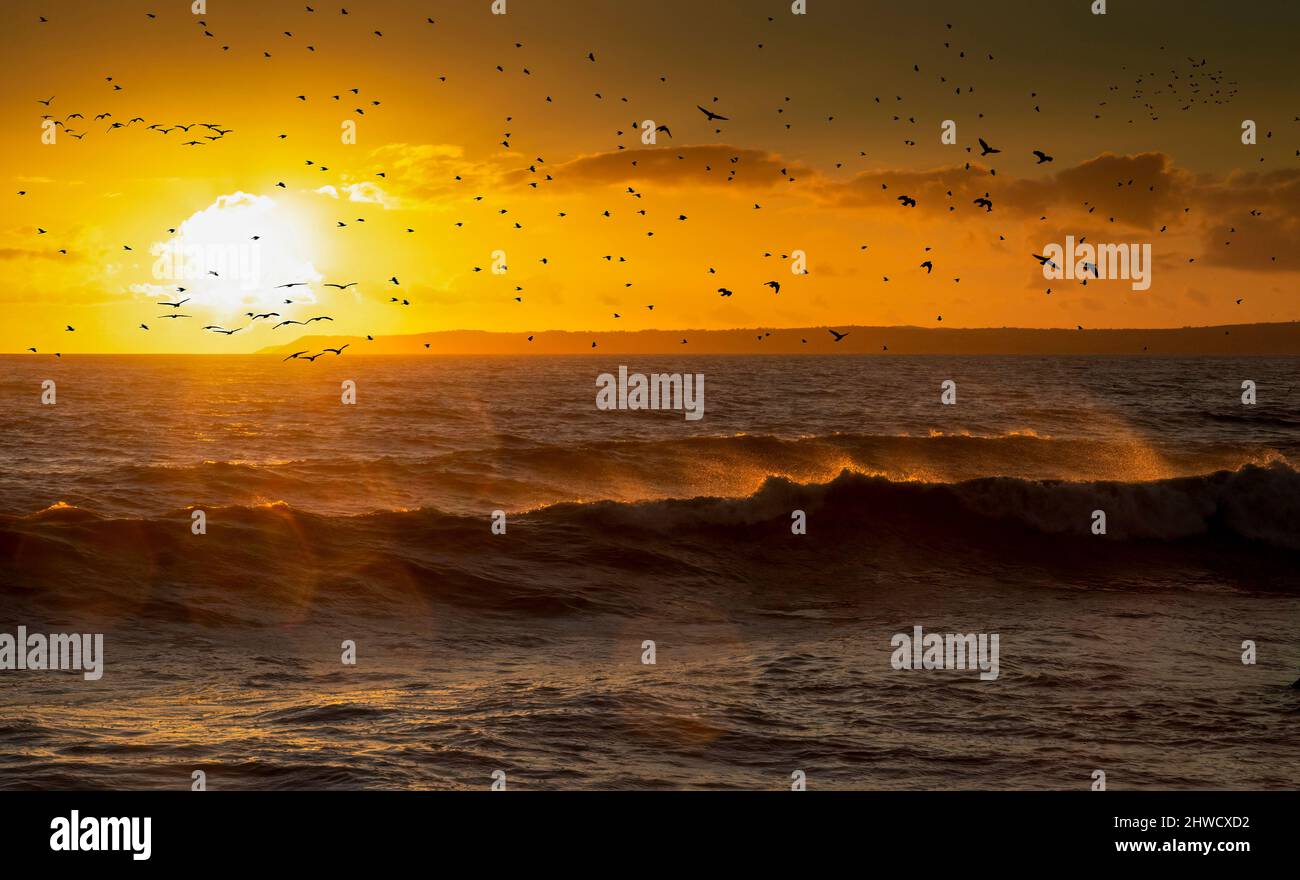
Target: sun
(231,257)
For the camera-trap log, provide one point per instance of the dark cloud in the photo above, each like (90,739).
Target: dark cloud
(1136,190)
(1266,242)
(1128,193)
(1143,191)
(28,254)
(686,166)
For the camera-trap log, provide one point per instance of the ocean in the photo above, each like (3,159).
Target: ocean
(524,651)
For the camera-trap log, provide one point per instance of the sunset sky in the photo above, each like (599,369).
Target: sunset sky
(1138,95)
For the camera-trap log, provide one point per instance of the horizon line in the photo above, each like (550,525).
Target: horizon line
(273,349)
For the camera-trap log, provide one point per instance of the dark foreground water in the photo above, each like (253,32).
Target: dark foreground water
(523,652)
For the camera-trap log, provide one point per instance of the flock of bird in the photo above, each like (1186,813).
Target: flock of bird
(1187,84)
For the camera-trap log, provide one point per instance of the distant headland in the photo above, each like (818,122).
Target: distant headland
(1228,339)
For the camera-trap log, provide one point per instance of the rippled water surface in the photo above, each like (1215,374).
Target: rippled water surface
(523,652)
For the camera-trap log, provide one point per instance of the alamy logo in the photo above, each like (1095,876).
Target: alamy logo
(946,651)
(103,834)
(673,391)
(1104,262)
(241,263)
(64,651)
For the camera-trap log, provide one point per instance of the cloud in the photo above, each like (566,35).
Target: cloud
(687,166)
(29,254)
(424,175)
(1123,195)
(365,192)
(1141,194)
(1266,241)
(370,194)
(881,189)
(1142,190)
(1136,190)
(23,178)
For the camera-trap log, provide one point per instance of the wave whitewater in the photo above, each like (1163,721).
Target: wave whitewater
(1254,503)
(516,474)
(623,558)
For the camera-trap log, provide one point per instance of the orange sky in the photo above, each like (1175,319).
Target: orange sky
(825,172)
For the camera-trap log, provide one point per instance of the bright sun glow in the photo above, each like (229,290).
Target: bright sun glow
(231,257)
